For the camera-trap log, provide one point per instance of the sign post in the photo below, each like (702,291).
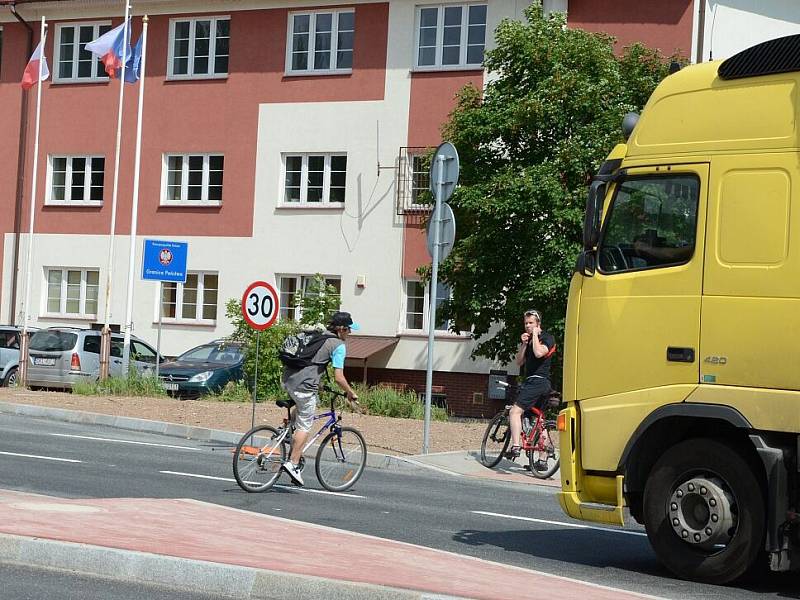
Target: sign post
(161,261)
(444,176)
(260,308)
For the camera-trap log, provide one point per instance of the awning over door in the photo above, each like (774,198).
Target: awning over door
(361,347)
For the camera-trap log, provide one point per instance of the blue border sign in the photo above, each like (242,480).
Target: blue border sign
(165,261)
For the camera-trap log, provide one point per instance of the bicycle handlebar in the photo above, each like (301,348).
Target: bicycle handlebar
(329,389)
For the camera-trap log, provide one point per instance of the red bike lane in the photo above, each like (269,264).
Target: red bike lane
(194,530)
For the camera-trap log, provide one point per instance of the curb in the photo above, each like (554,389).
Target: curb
(375,460)
(193,575)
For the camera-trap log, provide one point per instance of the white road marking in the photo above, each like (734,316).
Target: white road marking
(560,523)
(284,486)
(68,460)
(99,439)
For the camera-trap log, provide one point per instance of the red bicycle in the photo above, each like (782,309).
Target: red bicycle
(539,439)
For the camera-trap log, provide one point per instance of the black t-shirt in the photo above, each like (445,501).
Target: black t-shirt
(539,366)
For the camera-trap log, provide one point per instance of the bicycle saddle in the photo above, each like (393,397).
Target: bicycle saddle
(287,403)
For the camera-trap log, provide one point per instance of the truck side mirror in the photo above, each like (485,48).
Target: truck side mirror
(591,223)
(586,263)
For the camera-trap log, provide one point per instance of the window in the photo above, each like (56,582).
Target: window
(320,42)
(450,35)
(199,48)
(289,285)
(314,178)
(193,179)
(73,62)
(420,181)
(72,292)
(75,179)
(652,223)
(142,353)
(195,300)
(418,306)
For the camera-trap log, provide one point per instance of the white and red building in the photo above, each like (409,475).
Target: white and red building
(278,140)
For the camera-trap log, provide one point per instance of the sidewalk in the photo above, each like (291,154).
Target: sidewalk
(459,463)
(199,546)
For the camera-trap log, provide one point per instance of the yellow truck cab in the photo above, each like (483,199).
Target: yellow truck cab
(682,363)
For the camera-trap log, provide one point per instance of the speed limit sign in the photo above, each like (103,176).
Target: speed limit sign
(260,305)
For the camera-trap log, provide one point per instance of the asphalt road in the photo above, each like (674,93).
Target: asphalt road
(509,523)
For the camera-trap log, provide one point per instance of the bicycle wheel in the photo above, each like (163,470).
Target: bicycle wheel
(545,456)
(495,440)
(258,458)
(341,459)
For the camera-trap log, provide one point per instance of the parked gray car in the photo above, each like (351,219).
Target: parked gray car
(62,356)
(9,354)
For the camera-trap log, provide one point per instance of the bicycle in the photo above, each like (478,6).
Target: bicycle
(339,462)
(539,439)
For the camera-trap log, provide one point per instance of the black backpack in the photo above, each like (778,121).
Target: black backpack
(298,350)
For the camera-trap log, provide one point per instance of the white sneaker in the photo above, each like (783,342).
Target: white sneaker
(294,472)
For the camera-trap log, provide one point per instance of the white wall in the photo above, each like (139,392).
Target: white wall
(733,25)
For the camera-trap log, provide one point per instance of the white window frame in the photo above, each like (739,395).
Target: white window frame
(426,314)
(312,28)
(462,63)
(178,318)
(62,313)
(68,201)
(212,49)
(98,72)
(300,284)
(204,201)
(326,202)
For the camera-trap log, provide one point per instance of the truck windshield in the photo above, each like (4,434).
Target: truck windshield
(652,223)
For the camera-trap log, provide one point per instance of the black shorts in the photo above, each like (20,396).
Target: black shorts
(533,393)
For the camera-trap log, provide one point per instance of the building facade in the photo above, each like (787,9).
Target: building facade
(279,140)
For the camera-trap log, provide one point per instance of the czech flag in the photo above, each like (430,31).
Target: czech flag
(31,74)
(108,48)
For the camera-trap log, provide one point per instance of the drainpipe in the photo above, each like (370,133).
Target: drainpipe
(23,146)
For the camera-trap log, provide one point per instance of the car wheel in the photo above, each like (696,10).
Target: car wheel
(11,378)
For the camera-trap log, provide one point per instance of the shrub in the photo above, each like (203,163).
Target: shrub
(315,305)
(234,391)
(135,384)
(389,402)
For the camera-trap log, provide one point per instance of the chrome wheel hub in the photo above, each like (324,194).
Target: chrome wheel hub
(701,512)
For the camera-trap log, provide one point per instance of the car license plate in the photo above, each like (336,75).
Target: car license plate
(170,387)
(42,361)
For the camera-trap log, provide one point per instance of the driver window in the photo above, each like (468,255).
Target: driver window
(142,353)
(652,223)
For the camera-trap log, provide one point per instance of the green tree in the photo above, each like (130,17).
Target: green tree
(528,144)
(315,306)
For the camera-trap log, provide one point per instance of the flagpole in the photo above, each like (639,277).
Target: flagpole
(105,349)
(126,352)
(23,360)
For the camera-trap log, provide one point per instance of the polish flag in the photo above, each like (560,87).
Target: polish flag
(108,48)
(31,74)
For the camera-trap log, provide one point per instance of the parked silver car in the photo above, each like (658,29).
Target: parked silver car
(9,354)
(61,356)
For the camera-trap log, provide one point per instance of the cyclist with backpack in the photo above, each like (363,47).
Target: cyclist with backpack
(534,353)
(305,358)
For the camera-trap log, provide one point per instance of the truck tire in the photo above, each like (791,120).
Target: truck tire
(704,512)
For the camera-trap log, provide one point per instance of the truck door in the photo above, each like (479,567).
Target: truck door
(639,316)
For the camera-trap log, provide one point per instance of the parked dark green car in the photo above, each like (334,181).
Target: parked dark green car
(202,370)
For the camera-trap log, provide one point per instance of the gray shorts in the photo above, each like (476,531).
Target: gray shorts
(305,406)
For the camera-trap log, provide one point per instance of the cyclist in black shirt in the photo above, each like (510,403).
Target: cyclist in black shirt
(534,352)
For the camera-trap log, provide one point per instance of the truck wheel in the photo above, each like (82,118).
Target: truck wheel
(704,512)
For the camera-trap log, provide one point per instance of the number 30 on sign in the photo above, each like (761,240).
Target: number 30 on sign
(260,305)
